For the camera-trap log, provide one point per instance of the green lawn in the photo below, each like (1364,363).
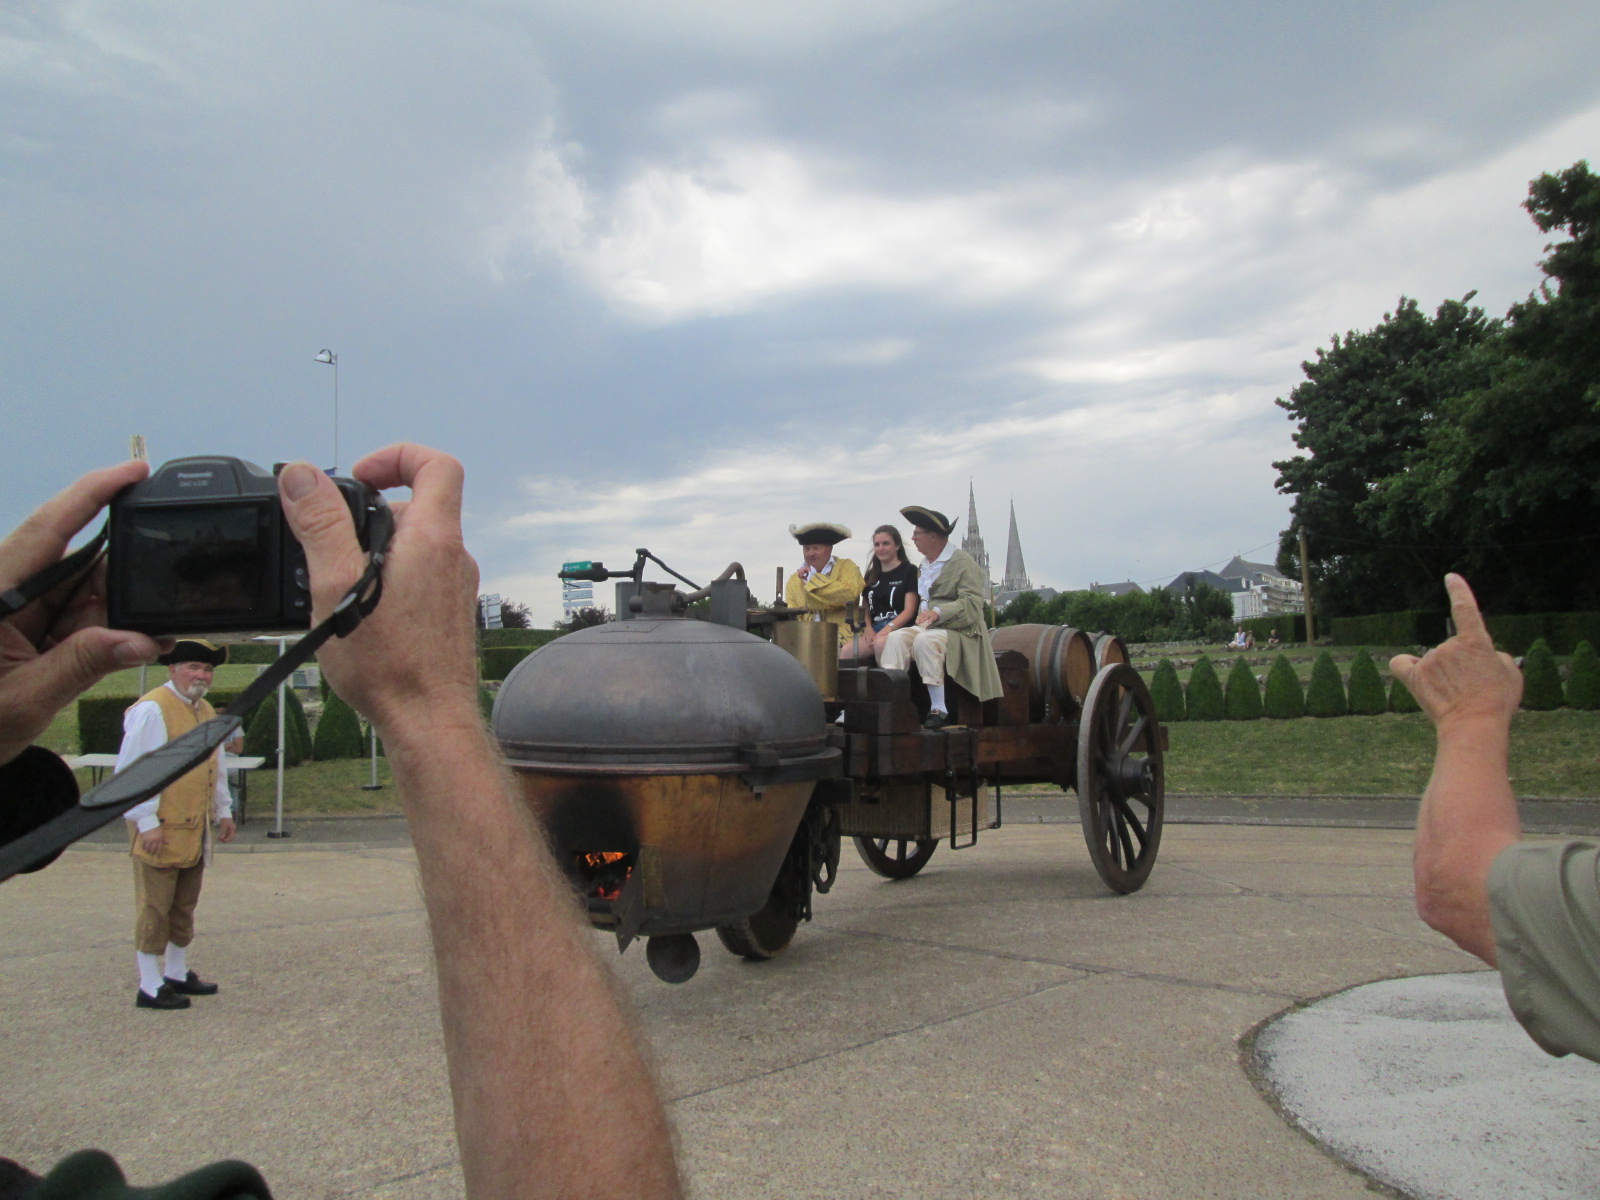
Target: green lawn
(1552,754)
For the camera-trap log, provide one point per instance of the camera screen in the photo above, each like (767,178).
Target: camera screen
(193,561)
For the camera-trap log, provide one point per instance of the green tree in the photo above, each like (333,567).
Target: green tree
(1325,696)
(1367,695)
(1166,693)
(1022,610)
(338,732)
(1242,701)
(261,735)
(1204,700)
(1285,698)
(1541,680)
(1203,606)
(1583,685)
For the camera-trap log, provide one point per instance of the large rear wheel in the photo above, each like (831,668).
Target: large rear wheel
(1121,781)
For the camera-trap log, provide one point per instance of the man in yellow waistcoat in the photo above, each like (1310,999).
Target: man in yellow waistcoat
(169,831)
(825,583)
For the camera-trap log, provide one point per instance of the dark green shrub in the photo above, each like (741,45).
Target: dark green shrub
(1204,700)
(1389,629)
(1400,698)
(1291,629)
(531,638)
(1325,696)
(1541,681)
(1285,698)
(1583,685)
(261,734)
(100,719)
(302,726)
(498,661)
(1561,631)
(1166,692)
(1242,701)
(338,732)
(252,653)
(1367,697)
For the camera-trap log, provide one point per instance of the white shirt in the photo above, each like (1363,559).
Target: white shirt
(930,570)
(143,730)
(825,569)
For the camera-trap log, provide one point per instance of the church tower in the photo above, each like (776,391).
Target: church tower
(972,543)
(1016,579)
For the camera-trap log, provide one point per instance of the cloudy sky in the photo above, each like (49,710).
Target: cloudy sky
(677,273)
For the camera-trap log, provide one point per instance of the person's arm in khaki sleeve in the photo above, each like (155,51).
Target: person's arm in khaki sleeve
(1469,812)
(552,1093)
(962,613)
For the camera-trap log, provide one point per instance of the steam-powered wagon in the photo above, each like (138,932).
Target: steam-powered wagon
(693,775)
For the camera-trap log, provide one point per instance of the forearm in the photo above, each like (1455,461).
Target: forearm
(552,1092)
(1468,815)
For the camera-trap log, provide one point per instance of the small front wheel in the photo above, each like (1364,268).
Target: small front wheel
(764,934)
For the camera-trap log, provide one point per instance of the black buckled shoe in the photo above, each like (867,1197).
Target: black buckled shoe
(191,985)
(164,998)
(936,720)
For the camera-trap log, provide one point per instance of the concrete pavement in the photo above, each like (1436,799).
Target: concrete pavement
(1000,1026)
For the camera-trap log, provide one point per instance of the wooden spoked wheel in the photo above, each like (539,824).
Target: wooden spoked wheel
(895,858)
(1121,784)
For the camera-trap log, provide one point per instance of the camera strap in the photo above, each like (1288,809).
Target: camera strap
(151,773)
(14,600)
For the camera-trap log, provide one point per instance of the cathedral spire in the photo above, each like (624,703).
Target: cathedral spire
(972,543)
(1016,578)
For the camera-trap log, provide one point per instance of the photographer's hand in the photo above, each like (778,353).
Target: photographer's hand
(58,646)
(527,1008)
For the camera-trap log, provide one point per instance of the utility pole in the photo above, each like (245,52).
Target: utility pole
(1305,587)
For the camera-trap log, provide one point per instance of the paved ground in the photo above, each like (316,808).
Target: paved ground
(1000,1026)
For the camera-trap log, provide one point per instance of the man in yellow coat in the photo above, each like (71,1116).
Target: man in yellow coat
(169,831)
(950,636)
(828,585)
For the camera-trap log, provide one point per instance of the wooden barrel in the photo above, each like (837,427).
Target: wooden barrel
(1108,649)
(1061,665)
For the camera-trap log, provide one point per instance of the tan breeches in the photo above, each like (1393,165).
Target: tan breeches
(164,900)
(925,646)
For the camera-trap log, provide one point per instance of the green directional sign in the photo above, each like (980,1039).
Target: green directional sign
(576,566)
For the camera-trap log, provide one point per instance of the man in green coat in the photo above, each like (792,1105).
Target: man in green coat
(949,636)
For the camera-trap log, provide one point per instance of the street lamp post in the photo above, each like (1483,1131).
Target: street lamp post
(329,358)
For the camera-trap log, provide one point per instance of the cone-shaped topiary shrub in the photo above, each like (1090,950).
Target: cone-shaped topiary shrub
(1166,693)
(1242,700)
(1541,681)
(1367,697)
(297,715)
(1583,685)
(1203,700)
(1325,696)
(1400,698)
(261,736)
(1285,698)
(338,732)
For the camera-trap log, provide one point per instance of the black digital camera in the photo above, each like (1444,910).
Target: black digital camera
(201,546)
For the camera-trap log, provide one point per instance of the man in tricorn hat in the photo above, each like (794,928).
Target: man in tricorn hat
(950,636)
(169,832)
(825,583)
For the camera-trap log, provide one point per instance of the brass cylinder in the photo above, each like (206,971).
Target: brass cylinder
(815,644)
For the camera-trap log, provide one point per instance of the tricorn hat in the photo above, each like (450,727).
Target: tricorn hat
(194,650)
(819,533)
(930,519)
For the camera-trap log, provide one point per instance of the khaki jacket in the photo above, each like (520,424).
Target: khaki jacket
(961,594)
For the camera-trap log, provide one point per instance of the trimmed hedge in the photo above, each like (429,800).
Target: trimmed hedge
(498,661)
(1367,697)
(1285,698)
(533,638)
(1561,631)
(1390,629)
(1242,700)
(338,732)
(100,719)
(1400,698)
(261,735)
(1583,685)
(1325,697)
(252,653)
(1166,692)
(1541,681)
(1204,700)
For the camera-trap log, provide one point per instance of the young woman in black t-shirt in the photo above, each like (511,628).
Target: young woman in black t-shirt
(890,600)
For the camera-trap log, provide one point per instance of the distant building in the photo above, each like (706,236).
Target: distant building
(972,543)
(1116,589)
(1256,589)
